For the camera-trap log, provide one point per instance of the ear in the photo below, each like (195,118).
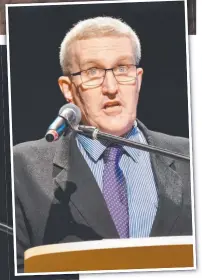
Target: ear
(139,77)
(64,83)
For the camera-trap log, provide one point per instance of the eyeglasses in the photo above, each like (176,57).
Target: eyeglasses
(94,76)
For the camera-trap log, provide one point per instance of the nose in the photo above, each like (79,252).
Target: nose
(109,85)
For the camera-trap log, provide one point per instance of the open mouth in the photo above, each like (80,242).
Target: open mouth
(112,108)
(112,104)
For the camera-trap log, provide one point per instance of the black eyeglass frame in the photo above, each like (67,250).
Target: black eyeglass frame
(105,69)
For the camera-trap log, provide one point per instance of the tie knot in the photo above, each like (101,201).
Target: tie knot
(113,153)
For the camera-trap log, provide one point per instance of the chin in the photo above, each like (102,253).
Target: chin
(117,128)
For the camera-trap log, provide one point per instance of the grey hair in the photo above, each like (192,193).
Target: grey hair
(97,27)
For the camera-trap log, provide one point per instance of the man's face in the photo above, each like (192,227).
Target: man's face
(111,107)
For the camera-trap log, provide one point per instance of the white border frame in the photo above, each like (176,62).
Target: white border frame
(190,135)
(2,40)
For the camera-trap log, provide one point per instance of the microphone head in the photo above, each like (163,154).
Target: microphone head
(65,110)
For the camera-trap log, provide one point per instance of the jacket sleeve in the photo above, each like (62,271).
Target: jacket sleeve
(22,233)
(22,230)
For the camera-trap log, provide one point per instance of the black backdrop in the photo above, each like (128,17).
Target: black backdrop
(35,34)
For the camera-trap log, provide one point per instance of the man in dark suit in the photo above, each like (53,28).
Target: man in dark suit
(82,189)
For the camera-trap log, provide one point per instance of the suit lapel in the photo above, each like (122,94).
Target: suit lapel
(75,176)
(169,189)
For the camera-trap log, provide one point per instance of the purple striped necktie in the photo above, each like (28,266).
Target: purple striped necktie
(114,189)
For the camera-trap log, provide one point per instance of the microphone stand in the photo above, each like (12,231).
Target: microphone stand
(94,133)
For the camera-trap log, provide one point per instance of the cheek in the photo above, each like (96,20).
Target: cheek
(91,104)
(130,99)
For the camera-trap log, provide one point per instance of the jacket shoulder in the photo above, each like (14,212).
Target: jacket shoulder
(173,143)
(34,150)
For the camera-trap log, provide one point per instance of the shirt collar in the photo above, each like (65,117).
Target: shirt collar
(95,148)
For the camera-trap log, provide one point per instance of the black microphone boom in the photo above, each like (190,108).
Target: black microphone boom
(94,133)
(69,116)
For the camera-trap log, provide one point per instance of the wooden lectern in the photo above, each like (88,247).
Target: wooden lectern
(112,254)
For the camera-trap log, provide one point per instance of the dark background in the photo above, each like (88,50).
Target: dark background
(35,34)
(191,4)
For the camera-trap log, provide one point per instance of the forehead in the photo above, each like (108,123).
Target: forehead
(104,50)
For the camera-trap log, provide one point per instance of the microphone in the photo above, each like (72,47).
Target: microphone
(68,116)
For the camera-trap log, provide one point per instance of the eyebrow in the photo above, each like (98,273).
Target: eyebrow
(99,62)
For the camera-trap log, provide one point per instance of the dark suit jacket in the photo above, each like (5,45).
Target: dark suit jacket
(58,200)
